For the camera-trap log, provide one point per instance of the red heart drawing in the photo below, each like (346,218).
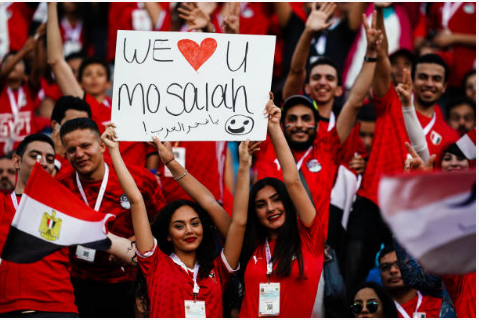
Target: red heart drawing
(195,54)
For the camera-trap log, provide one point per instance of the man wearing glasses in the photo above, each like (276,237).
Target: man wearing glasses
(410,303)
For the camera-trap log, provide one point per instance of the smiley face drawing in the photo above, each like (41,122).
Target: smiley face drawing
(239,125)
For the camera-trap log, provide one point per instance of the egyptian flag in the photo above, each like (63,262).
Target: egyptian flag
(433,215)
(50,217)
(467,144)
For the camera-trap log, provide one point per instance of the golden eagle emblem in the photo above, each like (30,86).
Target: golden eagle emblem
(50,226)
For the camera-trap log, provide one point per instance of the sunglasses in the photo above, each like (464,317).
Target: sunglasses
(387,266)
(372,307)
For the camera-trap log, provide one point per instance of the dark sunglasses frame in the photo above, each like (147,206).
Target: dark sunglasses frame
(386,266)
(372,307)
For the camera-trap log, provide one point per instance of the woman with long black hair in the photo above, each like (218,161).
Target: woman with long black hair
(283,248)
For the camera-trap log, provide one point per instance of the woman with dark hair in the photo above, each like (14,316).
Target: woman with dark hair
(184,278)
(371,300)
(283,248)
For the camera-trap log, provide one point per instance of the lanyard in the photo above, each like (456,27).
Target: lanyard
(99,199)
(429,126)
(300,162)
(196,287)
(403,312)
(15,104)
(448,11)
(269,264)
(72,34)
(14,200)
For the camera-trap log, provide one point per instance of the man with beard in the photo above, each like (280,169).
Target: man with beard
(410,303)
(7,174)
(461,115)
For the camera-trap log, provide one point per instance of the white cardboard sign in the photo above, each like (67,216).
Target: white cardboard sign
(191,86)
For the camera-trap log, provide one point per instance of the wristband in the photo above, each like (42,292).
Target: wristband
(182,176)
(370,59)
(167,162)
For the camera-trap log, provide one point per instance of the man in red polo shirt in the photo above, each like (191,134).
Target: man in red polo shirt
(42,288)
(103,287)
(410,303)
(366,230)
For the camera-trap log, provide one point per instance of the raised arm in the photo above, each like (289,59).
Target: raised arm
(10,64)
(141,224)
(234,240)
(382,74)
(316,22)
(63,73)
(154,11)
(413,126)
(195,17)
(363,82)
(193,187)
(299,196)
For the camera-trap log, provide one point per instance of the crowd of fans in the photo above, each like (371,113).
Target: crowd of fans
(361,86)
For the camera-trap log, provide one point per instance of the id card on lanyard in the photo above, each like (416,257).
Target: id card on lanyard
(83,253)
(193,308)
(416,313)
(269,293)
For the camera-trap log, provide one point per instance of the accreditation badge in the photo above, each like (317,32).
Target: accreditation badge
(195,309)
(85,254)
(180,156)
(269,299)
(419,315)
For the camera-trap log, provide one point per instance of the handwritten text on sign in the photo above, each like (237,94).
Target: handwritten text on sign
(191,86)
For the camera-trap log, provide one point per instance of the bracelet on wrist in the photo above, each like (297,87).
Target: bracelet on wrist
(370,59)
(167,162)
(182,176)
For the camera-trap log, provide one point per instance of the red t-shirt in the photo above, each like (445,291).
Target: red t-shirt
(14,129)
(19,17)
(462,290)
(431,306)
(205,160)
(114,202)
(169,285)
(296,295)
(463,21)
(388,151)
(318,167)
(43,285)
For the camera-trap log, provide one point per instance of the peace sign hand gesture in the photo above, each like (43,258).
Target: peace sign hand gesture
(374,36)
(415,163)
(404,89)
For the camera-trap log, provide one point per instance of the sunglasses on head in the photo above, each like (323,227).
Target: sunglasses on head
(372,307)
(386,266)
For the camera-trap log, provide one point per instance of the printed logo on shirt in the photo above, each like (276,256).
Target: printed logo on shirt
(469,8)
(17,128)
(436,138)
(314,165)
(212,275)
(50,227)
(125,204)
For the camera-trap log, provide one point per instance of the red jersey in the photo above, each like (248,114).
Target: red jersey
(462,290)
(388,151)
(296,295)
(17,118)
(169,285)
(43,285)
(460,18)
(15,20)
(114,202)
(205,160)
(430,306)
(318,165)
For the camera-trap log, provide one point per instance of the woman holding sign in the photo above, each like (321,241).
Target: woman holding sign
(177,253)
(283,248)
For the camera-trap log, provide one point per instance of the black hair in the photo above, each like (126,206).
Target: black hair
(75,55)
(31,138)
(205,253)
(430,58)
(387,249)
(366,113)
(389,308)
(288,243)
(78,124)
(23,59)
(324,60)
(93,60)
(69,103)
(459,101)
(464,79)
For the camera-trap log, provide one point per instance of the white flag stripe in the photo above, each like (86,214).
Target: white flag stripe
(73,231)
(467,147)
(437,222)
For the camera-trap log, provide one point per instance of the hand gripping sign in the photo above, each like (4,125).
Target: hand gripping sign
(188,86)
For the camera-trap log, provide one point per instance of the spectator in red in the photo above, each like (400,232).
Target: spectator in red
(8,176)
(469,85)
(461,114)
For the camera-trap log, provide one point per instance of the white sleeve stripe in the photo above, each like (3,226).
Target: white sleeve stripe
(230,270)
(148,253)
(467,147)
